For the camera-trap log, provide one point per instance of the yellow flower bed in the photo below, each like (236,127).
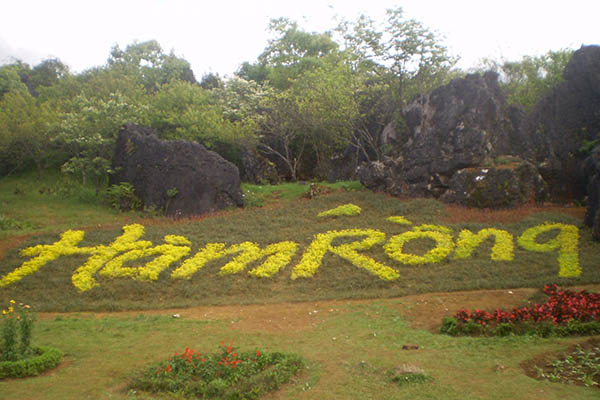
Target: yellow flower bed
(503,249)
(312,258)
(444,246)
(344,210)
(113,260)
(566,242)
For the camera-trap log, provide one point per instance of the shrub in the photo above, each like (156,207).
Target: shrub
(225,374)
(44,358)
(122,197)
(564,313)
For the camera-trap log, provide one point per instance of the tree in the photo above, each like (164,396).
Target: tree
(289,54)
(24,132)
(181,110)
(394,60)
(88,133)
(314,118)
(148,63)
(528,80)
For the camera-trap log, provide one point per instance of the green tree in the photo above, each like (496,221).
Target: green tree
(10,80)
(313,119)
(181,110)
(24,132)
(88,132)
(150,66)
(290,53)
(528,80)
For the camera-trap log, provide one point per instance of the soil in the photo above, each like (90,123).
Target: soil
(422,311)
(544,361)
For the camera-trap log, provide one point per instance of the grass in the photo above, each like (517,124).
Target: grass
(351,348)
(349,353)
(51,287)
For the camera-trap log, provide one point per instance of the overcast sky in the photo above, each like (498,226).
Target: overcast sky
(218,35)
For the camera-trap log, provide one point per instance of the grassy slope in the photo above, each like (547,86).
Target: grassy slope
(350,353)
(297,221)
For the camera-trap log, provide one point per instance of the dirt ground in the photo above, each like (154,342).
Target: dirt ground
(423,311)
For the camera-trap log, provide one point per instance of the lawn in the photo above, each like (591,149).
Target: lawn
(345,318)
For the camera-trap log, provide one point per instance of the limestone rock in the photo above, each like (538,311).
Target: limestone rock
(498,186)
(565,122)
(182,178)
(591,171)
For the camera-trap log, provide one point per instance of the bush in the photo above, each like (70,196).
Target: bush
(227,374)
(564,313)
(122,197)
(45,358)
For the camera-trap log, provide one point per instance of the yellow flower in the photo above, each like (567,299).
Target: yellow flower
(12,302)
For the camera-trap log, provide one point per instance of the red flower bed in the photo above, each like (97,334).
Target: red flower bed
(562,306)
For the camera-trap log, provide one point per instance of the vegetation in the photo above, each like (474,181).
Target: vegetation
(227,374)
(307,97)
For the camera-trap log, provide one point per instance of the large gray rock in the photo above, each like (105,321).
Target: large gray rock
(508,184)
(182,178)
(464,124)
(453,134)
(564,124)
(590,170)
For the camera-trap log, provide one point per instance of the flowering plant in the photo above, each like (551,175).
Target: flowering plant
(16,329)
(225,373)
(563,307)
(346,209)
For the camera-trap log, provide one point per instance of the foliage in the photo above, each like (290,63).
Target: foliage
(564,313)
(122,197)
(581,366)
(16,332)
(88,133)
(528,80)
(346,209)
(43,359)
(227,374)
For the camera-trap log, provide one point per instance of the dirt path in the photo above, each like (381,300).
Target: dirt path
(423,311)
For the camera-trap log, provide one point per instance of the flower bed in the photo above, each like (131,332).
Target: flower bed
(564,313)
(225,374)
(44,358)
(436,243)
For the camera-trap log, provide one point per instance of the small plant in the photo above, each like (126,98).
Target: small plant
(407,374)
(17,324)
(173,192)
(564,313)
(225,374)
(122,197)
(580,366)
(344,210)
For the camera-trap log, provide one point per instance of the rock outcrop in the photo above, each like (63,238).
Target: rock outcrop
(565,123)
(508,184)
(181,178)
(590,170)
(454,134)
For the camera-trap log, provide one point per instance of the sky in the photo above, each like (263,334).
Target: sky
(218,35)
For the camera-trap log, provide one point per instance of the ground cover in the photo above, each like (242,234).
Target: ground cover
(352,347)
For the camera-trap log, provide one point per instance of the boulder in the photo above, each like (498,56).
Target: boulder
(452,134)
(590,170)
(181,178)
(258,169)
(508,184)
(565,123)
(464,124)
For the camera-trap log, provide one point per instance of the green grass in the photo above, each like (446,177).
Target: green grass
(350,351)
(53,203)
(349,354)
(51,288)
